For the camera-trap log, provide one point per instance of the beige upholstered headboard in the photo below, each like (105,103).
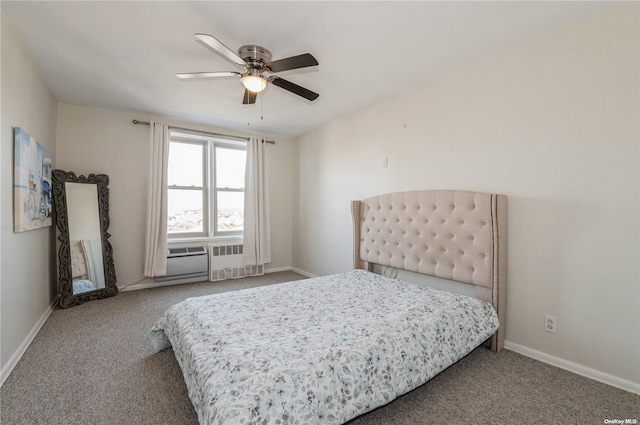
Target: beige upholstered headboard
(79,268)
(456,235)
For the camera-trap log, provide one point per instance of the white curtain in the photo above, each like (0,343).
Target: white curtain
(257,236)
(155,259)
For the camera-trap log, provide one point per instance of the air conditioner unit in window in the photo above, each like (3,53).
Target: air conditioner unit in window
(186,265)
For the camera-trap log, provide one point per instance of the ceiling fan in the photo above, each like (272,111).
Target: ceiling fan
(256,61)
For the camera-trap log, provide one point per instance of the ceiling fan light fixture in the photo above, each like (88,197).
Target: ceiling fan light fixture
(254,83)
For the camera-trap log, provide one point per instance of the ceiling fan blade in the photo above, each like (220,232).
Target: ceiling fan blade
(188,75)
(213,44)
(249,97)
(294,88)
(294,62)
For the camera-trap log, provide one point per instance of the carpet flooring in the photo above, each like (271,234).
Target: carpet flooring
(92,365)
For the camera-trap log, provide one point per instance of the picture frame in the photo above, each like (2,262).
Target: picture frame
(32,201)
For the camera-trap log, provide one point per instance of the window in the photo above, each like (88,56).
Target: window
(205,186)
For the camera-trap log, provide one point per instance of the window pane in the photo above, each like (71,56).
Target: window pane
(185,211)
(230,211)
(185,164)
(230,165)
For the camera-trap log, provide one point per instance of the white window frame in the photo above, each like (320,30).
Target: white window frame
(209,233)
(215,189)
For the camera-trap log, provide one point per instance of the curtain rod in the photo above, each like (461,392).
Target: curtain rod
(246,139)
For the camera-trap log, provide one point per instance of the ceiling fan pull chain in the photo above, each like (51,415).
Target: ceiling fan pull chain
(261,107)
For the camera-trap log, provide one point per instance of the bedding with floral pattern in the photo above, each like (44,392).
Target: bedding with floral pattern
(82,285)
(317,351)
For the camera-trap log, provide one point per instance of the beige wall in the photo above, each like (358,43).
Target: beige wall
(28,268)
(552,124)
(94,140)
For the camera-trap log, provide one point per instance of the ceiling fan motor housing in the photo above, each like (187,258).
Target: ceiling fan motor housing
(255,56)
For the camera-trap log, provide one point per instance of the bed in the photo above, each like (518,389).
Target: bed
(80,271)
(326,350)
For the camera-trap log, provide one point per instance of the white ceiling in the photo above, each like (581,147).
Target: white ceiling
(124,55)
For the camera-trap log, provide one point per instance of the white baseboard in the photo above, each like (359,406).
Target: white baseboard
(293,269)
(150,283)
(15,358)
(277,269)
(145,284)
(576,368)
(303,272)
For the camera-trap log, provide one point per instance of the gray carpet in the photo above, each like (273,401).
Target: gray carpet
(92,364)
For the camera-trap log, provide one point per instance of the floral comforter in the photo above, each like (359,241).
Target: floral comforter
(317,351)
(82,285)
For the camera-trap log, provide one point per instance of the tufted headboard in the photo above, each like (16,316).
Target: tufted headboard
(456,235)
(79,268)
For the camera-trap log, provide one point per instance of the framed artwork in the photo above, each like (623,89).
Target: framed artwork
(32,183)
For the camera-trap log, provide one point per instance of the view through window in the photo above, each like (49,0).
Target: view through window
(229,188)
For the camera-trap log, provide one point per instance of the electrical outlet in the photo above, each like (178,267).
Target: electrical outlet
(550,324)
(385,162)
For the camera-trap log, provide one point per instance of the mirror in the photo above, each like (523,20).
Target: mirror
(85,256)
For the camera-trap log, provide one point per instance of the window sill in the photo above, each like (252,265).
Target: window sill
(221,240)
